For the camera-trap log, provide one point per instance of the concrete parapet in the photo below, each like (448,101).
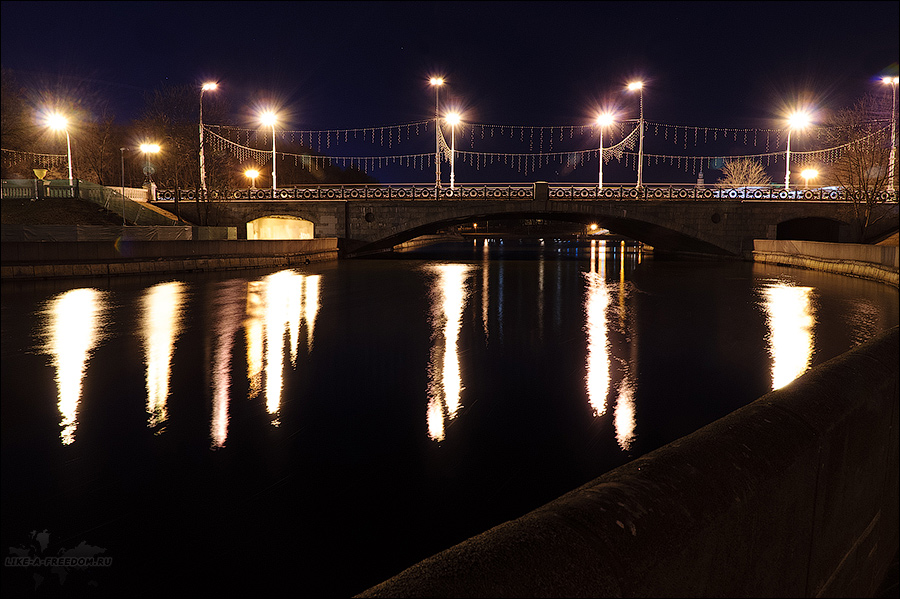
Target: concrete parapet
(794,495)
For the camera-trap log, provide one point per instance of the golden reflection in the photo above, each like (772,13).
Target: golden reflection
(277,306)
(228,315)
(624,415)
(162,305)
(73,330)
(485,289)
(445,380)
(596,304)
(791,319)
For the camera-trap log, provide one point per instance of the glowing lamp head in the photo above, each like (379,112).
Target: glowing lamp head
(437,81)
(57,122)
(798,120)
(453,118)
(809,173)
(251,173)
(209,86)
(890,80)
(605,120)
(150,148)
(635,85)
(268,118)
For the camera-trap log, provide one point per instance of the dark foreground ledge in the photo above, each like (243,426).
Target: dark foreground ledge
(794,495)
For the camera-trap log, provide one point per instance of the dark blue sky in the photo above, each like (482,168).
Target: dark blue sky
(342,65)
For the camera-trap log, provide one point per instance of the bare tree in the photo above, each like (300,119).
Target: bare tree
(862,134)
(743,172)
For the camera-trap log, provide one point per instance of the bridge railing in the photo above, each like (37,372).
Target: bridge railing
(517,191)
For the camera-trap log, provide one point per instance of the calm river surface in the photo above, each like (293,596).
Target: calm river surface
(314,431)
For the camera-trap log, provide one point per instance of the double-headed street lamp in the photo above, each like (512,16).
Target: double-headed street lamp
(58,122)
(206,87)
(452,120)
(437,82)
(269,119)
(604,120)
(639,86)
(797,120)
(892,164)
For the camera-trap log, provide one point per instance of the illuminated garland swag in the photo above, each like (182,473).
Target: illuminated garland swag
(524,162)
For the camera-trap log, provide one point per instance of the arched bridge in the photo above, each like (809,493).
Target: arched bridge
(668,217)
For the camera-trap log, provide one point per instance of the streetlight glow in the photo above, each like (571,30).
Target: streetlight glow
(58,122)
(809,173)
(437,82)
(269,119)
(205,88)
(639,86)
(251,174)
(452,120)
(797,120)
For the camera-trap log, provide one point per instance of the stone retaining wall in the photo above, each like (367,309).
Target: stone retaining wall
(794,495)
(874,262)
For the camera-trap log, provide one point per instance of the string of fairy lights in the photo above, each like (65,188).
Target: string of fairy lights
(540,142)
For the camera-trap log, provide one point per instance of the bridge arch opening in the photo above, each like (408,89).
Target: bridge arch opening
(280,227)
(813,229)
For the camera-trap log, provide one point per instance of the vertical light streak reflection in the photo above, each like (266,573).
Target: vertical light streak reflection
(253,334)
(310,306)
(229,313)
(596,304)
(791,319)
(624,415)
(485,290)
(445,380)
(162,306)
(278,306)
(73,330)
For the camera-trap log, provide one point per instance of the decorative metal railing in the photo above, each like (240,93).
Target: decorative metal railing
(517,191)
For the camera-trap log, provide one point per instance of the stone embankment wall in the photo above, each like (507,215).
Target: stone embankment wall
(794,495)
(875,262)
(60,259)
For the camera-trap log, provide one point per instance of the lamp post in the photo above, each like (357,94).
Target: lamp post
(437,82)
(604,120)
(206,87)
(639,86)
(452,120)
(807,174)
(269,118)
(58,122)
(797,120)
(148,149)
(892,164)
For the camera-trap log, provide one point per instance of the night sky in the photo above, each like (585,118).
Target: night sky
(346,65)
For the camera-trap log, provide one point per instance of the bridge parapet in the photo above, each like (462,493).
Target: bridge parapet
(519,191)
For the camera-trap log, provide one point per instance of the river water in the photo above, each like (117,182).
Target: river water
(315,431)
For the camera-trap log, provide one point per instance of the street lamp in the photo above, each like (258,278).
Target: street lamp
(252,174)
(437,82)
(148,149)
(452,120)
(58,122)
(807,174)
(892,81)
(797,120)
(122,150)
(269,118)
(206,87)
(639,86)
(604,120)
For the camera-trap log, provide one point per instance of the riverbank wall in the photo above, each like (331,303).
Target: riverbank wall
(865,261)
(129,254)
(794,495)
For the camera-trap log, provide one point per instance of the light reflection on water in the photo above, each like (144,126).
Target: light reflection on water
(74,322)
(161,319)
(791,318)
